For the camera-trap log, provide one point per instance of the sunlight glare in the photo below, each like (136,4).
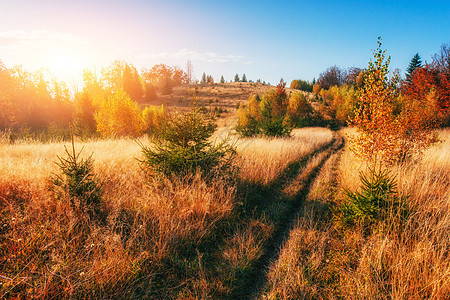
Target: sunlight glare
(66,66)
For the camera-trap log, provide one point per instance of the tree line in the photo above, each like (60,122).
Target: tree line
(33,105)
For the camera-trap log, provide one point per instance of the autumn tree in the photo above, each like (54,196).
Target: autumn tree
(273,111)
(388,129)
(132,84)
(244,78)
(164,77)
(249,117)
(430,85)
(374,118)
(352,75)
(236,78)
(222,80)
(299,110)
(119,116)
(8,96)
(331,76)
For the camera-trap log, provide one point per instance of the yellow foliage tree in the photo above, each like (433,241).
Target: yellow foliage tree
(119,116)
(249,117)
(389,127)
(299,111)
(374,118)
(153,116)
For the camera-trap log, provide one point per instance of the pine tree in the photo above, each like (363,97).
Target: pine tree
(244,78)
(132,83)
(83,116)
(222,80)
(204,80)
(415,63)
(236,78)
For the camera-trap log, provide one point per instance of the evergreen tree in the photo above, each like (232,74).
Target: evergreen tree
(415,63)
(236,78)
(222,80)
(244,78)
(132,83)
(204,80)
(83,117)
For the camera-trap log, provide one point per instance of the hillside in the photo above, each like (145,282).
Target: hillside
(221,95)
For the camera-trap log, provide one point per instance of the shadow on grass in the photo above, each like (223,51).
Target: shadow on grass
(274,205)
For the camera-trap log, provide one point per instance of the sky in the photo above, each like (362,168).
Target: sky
(266,40)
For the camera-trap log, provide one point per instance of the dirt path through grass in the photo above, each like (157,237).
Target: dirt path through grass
(295,183)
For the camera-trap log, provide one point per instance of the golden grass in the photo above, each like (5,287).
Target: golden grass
(262,159)
(398,260)
(51,249)
(34,161)
(224,95)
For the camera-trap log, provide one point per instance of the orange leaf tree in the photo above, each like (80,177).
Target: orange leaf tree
(389,127)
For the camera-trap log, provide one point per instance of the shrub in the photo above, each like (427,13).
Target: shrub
(77,181)
(376,200)
(119,116)
(181,146)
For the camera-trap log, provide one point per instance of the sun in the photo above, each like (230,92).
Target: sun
(65,66)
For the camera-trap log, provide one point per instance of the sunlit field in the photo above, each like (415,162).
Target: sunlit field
(399,260)
(146,177)
(147,229)
(262,159)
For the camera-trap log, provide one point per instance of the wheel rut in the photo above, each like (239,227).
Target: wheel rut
(298,188)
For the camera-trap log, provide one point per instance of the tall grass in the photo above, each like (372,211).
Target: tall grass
(160,239)
(397,260)
(263,159)
(50,250)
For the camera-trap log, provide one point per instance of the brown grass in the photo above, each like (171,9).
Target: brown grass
(143,242)
(224,95)
(51,250)
(262,159)
(407,260)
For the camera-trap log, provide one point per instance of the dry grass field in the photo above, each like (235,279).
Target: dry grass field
(171,238)
(405,259)
(224,95)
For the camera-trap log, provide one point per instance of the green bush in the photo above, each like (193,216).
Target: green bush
(77,182)
(182,146)
(377,200)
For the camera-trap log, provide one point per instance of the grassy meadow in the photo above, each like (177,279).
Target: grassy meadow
(271,231)
(398,259)
(170,238)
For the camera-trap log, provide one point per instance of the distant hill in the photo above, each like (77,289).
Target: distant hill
(226,96)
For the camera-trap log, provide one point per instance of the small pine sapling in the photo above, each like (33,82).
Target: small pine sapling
(77,181)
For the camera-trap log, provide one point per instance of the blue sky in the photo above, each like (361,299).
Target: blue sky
(263,39)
